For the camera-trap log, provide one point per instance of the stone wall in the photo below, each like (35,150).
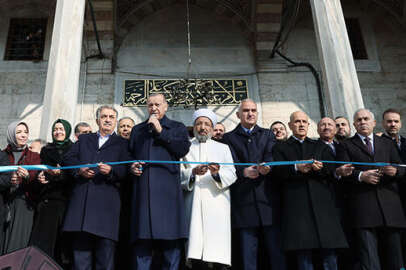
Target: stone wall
(282,89)
(382,76)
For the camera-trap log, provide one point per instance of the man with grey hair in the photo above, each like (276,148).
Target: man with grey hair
(124,127)
(207,195)
(82,128)
(92,216)
(375,206)
(36,145)
(158,219)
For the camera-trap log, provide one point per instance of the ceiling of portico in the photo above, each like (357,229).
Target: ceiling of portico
(5,4)
(130,12)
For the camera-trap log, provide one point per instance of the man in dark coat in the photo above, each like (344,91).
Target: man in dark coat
(392,124)
(375,206)
(94,209)
(327,129)
(158,212)
(255,199)
(309,217)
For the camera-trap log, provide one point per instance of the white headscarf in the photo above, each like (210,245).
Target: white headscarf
(205,113)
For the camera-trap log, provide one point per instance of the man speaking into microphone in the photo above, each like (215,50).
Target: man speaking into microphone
(158,213)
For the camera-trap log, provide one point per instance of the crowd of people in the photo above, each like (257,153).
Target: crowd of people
(204,198)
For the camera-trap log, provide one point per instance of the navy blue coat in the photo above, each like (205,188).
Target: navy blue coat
(94,206)
(253,202)
(158,210)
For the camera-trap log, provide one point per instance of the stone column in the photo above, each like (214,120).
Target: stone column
(62,82)
(342,92)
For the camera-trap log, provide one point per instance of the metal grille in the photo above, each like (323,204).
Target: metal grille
(26,39)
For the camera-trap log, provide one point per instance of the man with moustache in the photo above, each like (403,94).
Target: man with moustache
(255,198)
(92,216)
(124,127)
(207,196)
(376,211)
(343,128)
(218,132)
(309,217)
(279,129)
(392,123)
(158,219)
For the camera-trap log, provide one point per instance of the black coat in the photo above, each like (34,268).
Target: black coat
(59,186)
(253,202)
(158,208)
(402,154)
(94,206)
(372,205)
(4,185)
(309,216)
(53,197)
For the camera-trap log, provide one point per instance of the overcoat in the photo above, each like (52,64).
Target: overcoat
(20,202)
(309,215)
(51,202)
(372,205)
(208,203)
(254,202)
(402,154)
(158,209)
(94,206)
(4,185)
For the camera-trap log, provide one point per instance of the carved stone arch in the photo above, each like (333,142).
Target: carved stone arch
(129,14)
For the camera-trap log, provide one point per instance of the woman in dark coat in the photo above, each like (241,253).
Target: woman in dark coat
(19,189)
(55,186)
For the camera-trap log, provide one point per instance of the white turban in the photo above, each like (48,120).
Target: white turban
(205,113)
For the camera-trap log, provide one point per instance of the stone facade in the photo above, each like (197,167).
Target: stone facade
(280,90)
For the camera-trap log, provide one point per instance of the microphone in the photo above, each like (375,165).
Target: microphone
(151,127)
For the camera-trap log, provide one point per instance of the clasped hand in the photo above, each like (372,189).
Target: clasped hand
(255,171)
(136,168)
(17,176)
(373,176)
(307,167)
(214,168)
(87,172)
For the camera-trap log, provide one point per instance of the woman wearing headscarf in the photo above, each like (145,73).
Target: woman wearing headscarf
(53,194)
(19,188)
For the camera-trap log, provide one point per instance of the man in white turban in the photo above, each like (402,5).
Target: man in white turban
(208,196)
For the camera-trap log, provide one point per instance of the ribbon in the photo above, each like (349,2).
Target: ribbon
(273,163)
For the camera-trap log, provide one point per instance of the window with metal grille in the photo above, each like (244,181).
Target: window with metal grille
(26,39)
(356,38)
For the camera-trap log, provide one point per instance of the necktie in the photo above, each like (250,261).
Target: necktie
(369,145)
(332,148)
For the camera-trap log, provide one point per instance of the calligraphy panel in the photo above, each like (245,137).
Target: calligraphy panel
(186,92)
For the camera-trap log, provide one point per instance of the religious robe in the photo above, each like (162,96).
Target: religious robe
(208,203)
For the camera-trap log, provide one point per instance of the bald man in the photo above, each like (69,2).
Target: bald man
(255,200)
(309,216)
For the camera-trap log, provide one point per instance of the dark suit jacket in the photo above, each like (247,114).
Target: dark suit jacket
(372,205)
(252,201)
(94,206)
(402,154)
(158,210)
(309,216)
